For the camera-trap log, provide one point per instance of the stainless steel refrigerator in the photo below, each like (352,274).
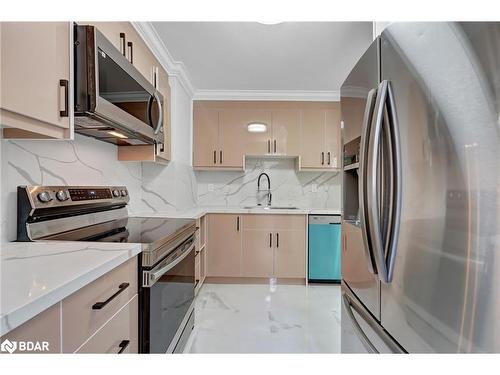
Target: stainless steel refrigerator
(421,191)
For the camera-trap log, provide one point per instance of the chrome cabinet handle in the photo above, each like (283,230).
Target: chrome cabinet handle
(65,83)
(365,128)
(100,305)
(123,345)
(123,45)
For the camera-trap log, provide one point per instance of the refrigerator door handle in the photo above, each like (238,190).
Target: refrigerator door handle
(363,217)
(359,331)
(371,204)
(384,255)
(396,174)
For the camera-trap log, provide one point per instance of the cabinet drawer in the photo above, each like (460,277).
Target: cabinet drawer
(80,320)
(274,222)
(119,333)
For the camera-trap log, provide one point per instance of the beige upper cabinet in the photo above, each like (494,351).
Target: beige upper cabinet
(308,130)
(206,138)
(320,138)
(36,92)
(224,245)
(286,132)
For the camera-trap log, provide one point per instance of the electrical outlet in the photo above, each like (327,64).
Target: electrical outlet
(314,188)
(210,187)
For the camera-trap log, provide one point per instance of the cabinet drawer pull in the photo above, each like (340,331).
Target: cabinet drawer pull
(277,240)
(123,345)
(268,146)
(130,52)
(100,305)
(270,240)
(275,146)
(220,160)
(329,158)
(322,158)
(215,157)
(238,223)
(65,83)
(123,45)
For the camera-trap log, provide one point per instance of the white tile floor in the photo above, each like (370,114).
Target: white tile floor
(258,319)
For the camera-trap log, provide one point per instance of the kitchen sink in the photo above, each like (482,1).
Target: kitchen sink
(270,208)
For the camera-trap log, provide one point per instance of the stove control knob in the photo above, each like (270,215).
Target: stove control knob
(44,197)
(62,196)
(124,193)
(116,193)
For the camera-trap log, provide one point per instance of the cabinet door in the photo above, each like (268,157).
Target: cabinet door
(35,57)
(313,138)
(332,138)
(138,52)
(164,88)
(257,253)
(290,254)
(237,141)
(205,137)
(224,246)
(286,132)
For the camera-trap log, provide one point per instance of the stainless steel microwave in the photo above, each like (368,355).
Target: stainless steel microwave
(114,102)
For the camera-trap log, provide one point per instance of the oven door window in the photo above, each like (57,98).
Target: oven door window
(119,88)
(170,299)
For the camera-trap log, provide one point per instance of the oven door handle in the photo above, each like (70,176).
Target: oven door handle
(153,276)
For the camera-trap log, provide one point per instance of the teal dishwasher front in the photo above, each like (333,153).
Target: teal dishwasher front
(324,248)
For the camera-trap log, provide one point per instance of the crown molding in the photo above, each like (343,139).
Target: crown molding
(292,95)
(155,44)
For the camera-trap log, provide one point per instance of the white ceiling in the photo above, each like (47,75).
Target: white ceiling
(304,56)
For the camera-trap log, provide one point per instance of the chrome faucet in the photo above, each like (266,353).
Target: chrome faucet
(269,195)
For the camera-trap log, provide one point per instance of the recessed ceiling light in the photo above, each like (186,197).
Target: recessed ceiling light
(256,127)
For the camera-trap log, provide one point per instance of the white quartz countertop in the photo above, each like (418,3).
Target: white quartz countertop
(36,275)
(198,212)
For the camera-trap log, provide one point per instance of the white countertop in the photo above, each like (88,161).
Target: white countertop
(198,212)
(36,275)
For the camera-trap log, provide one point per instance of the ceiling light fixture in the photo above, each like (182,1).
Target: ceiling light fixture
(256,127)
(269,23)
(116,134)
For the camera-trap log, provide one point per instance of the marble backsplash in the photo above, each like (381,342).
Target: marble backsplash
(288,187)
(86,161)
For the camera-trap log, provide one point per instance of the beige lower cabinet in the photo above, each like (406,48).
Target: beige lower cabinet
(224,245)
(119,335)
(257,246)
(101,317)
(45,328)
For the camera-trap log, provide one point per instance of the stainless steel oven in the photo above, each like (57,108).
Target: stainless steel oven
(167,301)
(114,102)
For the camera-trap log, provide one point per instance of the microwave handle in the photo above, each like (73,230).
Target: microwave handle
(160,109)
(160,113)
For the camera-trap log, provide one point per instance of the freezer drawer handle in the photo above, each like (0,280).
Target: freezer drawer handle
(359,331)
(100,305)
